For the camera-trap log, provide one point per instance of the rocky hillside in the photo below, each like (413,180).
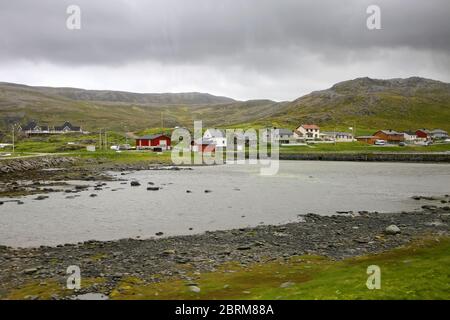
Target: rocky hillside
(370,103)
(402,104)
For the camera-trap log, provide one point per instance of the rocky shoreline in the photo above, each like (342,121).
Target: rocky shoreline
(338,237)
(43,175)
(370,157)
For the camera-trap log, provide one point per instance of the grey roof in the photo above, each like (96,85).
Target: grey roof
(285,132)
(30,126)
(336,133)
(439,131)
(390,132)
(152,136)
(68,125)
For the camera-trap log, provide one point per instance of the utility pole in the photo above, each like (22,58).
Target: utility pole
(106,141)
(162,120)
(100,140)
(13,138)
(334,136)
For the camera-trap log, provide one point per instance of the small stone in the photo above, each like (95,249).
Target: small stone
(159,234)
(208,191)
(135,183)
(392,229)
(41,197)
(92,195)
(194,289)
(169,252)
(153,188)
(30,270)
(287,284)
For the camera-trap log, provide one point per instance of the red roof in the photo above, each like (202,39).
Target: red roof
(310,126)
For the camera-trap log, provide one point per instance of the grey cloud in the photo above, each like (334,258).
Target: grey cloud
(197,30)
(266,37)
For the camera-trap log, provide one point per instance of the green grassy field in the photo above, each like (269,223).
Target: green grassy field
(419,271)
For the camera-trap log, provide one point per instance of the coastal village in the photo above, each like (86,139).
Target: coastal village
(303,135)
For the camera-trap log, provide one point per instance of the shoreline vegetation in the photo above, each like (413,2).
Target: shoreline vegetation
(321,257)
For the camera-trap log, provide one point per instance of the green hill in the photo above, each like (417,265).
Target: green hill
(401,104)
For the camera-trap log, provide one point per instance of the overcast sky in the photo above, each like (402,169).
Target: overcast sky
(244,49)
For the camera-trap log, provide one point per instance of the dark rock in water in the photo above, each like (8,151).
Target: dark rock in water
(135,183)
(416,197)
(92,195)
(188,191)
(344,212)
(191,229)
(159,234)
(153,188)
(41,197)
(208,191)
(81,187)
(429,207)
(241,248)
(151,183)
(1,202)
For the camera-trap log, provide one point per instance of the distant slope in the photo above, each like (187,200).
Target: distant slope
(127,97)
(401,104)
(369,103)
(123,110)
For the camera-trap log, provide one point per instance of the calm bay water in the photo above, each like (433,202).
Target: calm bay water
(239,197)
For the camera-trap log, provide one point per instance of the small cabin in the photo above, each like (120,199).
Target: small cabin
(156,142)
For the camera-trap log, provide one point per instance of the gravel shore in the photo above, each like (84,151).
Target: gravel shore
(339,236)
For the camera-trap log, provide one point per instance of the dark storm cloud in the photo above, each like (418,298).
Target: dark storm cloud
(198,30)
(265,37)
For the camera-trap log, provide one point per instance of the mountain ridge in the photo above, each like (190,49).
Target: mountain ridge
(402,103)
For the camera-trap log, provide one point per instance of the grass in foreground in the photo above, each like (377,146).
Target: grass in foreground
(419,271)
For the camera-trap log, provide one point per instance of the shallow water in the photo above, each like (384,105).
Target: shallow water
(239,197)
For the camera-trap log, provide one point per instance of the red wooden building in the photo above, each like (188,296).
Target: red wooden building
(423,134)
(390,136)
(157,142)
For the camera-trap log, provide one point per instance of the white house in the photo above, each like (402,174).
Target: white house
(439,134)
(284,136)
(337,136)
(33,128)
(307,132)
(217,137)
(410,136)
